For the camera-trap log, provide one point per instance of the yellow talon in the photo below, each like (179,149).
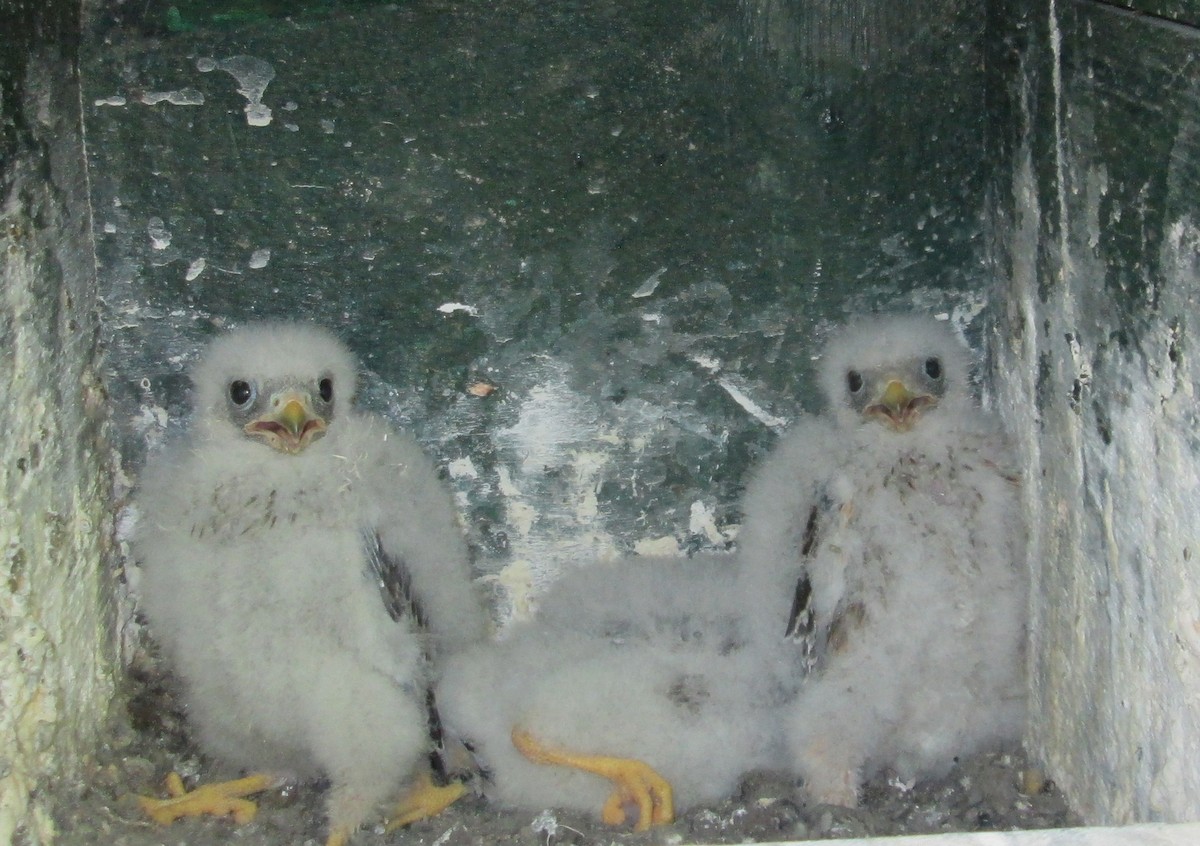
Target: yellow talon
(424,800)
(220,800)
(634,782)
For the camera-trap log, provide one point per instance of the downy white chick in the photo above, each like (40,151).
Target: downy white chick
(883,554)
(630,694)
(302,564)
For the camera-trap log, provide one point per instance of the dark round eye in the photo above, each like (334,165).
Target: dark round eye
(325,387)
(933,368)
(241,393)
(854,381)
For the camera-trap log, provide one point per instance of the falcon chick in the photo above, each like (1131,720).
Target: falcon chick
(630,694)
(302,566)
(883,551)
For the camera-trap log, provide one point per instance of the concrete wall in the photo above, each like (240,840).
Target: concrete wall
(1096,218)
(55,479)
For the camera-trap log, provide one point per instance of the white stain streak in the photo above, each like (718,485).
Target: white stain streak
(507,488)
(549,424)
(752,408)
(702,522)
(552,467)
(451,308)
(521,515)
(588,467)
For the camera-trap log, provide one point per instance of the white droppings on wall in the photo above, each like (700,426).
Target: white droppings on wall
(703,522)
(56,649)
(1101,399)
(553,464)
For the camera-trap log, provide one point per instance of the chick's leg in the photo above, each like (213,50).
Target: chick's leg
(226,798)
(634,782)
(424,799)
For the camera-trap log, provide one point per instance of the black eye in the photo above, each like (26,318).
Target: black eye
(933,368)
(325,386)
(241,393)
(854,381)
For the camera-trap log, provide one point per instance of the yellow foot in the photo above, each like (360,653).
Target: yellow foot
(425,799)
(220,800)
(634,782)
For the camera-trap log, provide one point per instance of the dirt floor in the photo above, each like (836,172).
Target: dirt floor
(980,794)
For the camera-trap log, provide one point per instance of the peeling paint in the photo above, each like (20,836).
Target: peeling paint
(253,75)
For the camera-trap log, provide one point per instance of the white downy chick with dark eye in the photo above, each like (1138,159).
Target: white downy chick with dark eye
(302,566)
(883,551)
(630,695)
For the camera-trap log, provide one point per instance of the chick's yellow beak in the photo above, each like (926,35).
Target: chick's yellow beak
(293,417)
(896,396)
(291,425)
(899,408)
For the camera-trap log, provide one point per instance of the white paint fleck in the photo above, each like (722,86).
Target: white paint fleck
(708,362)
(462,468)
(253,76)
(752,408)
(666,545)
(647,287)
(112,100)
(195,269)
(181,97)
(160,238)
(257,114)
(259,258)
(151,418)
(445,835)
(452,308)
